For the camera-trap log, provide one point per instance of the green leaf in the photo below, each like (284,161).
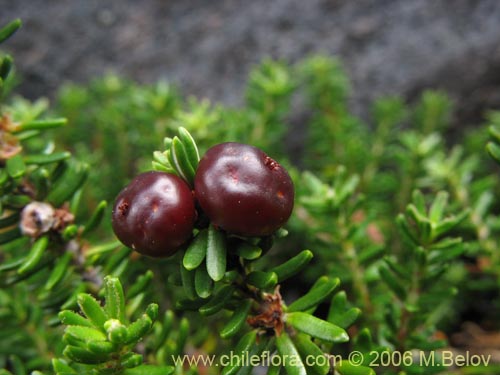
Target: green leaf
(309,350)
(115,299)
(393,283)
(131,360)
(42,124)
(138,329)
(190,146)
(347,368)
(15,166)
(371,254)
(149,370)
(248,251)
(436,210)
(71,180)
(61,367)
(47,158)
(218,301)
(34,256)
(81,355)
(181,162)
(339,314)
(8,30)
(291,357)
(449,223)
(293,265)
(196,251)
(316,327)
(92,310)
(95,219)
(216,254)
(117,332)
(5,68)
(363,341)
(203,283)
(102,347)
(187,278)
(316,295)
(68,317)
(140,284)
(262,280)
(244,345)
(85,334)
(494,150)
(59,271)
(237,321)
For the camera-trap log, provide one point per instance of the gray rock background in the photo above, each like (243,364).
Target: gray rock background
(208,47)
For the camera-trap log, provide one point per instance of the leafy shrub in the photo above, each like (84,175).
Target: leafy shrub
(405,220)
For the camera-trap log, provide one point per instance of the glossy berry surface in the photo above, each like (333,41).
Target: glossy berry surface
(154,214)
(242,190)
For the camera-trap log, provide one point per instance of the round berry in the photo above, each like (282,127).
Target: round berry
(154,214)
(242,190)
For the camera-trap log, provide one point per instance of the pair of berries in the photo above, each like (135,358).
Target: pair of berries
(238,187)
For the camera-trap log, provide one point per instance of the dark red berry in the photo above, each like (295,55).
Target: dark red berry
(242,190)
(154,214)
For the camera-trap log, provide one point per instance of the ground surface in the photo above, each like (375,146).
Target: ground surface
(208,47)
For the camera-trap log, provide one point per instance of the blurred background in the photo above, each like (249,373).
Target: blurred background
(207,48)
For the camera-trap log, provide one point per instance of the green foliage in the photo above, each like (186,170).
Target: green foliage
(405,217)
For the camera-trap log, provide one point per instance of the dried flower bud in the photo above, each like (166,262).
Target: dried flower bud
(37,218)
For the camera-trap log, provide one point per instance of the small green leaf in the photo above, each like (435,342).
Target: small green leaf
(308,350)
(8,30)
(237,321)
(15,166)
(348,368)
(262,280)
(116,330)
(216,254)
(317,294)
(96,218)
(85,334)
(92,310)
(494,150)
(190,146)
(292,361)
(202,282)
(138,329)
(34,256)
(436,211)
(244,345)
(316,327)
(102,347)
(82,355)
(449,223)
(71,180)
(131,360)
(42,124)
(187,278)
(47,158)
(115,299)
(61,367)
(248,251)
(339,314)
(68,317)
(140,284)
(393,283)
(59,271)
(196,251)
(293,266)
(181,162)
(149,370)
(218,301)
